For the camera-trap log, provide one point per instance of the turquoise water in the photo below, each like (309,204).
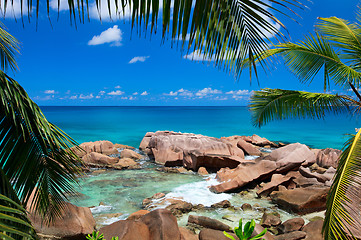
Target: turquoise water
(127,125)
(122,192)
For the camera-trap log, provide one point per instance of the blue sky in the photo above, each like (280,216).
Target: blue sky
(103,63)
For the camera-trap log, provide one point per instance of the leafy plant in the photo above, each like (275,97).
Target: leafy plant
(246,232)
(335,51)
(97,236)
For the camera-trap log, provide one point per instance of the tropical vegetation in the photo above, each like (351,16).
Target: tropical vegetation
(245,233)
(334,51)
(38,168)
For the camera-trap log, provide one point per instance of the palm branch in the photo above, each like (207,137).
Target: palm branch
(226,31)
(35,154)
(315,54)
(277,104)
(342,217)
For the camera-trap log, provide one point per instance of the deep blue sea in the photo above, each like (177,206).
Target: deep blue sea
(128,125)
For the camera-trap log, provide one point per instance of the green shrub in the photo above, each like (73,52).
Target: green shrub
(247,231)
(97,236)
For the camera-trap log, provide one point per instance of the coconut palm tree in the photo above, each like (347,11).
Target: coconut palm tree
(38,169)
(334,51)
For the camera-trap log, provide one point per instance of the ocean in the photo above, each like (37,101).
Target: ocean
(128,125)
(122,192)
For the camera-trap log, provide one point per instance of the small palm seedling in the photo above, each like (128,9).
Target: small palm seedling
(97,236)
(247,231)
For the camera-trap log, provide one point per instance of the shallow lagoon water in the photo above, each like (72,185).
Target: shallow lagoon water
(123,191)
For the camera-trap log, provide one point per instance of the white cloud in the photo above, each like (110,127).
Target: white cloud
(132,98)
(198,56)
(13,8)
(73,97)
(124,98)
(221,98)
(97,97)
(49,91)
(82,96)
(101,93)
(117,86)
(145,93)
(240,92)
(180,92)
(138,59)
(136,93)
(111,35)
(116,93)
(207,91)
(62,6)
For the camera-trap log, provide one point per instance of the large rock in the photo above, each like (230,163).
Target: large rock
(162,224)
(137,215)
(75,223)
(281,160)
(127,153)
(95,159)
(301,200)
(277,179)
(126,163)
(126,230)
(208,223)
(313,230)
(260,141)
(328,157)
(292,156)
(244,174)
(248,148)
(104,147)
(196,159)
(177,149)
(306,172)
(211,234)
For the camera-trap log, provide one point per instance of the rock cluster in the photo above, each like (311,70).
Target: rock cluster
(104,154)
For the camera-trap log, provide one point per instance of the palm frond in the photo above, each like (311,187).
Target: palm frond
(9,47)
(342,217)
(307,58)
(345,36)
(226,31)
(277,104)
(35,155)
(14,223)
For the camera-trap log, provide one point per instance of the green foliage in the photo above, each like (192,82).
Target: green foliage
(13,221)
(335,51)
(246,232)
(97,236)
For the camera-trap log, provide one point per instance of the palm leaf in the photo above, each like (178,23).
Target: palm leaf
(226,31)
(277,104)
(345,36)
(14,223)
(35,155)
(9,47)
(342,217)
(307,58)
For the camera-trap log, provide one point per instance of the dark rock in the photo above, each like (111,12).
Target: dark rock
(126,230)
(246,207)
(269,220)
(301,200)
(162,224)
(291,236)
(291,225)
(314,230)
(258,229)
(210,234)
(222,204)
(208,223)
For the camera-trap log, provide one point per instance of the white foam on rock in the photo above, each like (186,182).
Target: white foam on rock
(251,157)
(100,209)
(199,193)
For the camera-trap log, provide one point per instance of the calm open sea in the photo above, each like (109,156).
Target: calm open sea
(128,125)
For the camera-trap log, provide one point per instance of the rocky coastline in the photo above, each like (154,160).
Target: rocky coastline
(293,177)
